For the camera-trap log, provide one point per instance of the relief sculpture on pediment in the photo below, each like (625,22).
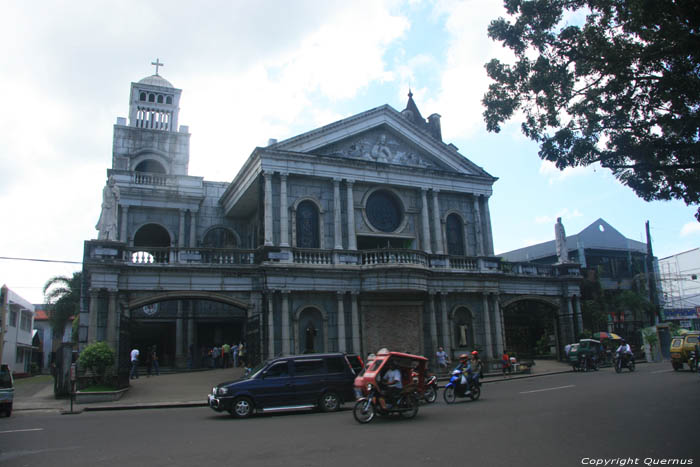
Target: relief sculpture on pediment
(378,147)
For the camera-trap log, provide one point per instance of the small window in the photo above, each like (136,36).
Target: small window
(336,364)
(169,100)
(13,318)
(142,96)
(20,356)
(160,99)
(692,339)
(278,370)
(676,342)
(309,367)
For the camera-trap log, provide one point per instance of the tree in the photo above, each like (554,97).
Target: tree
(622,89)
(62,294)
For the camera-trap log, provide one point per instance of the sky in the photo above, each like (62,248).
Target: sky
(251,71)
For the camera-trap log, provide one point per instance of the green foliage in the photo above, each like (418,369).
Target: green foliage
(650,337)
(621,88)
(62,294)
(97,357)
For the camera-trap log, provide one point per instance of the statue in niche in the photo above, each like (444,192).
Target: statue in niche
(560,239)
(310,335)
(108,221)
(380,151)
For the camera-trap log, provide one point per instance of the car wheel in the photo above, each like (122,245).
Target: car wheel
(242,407)
(430,395)
(449,395)
(330,402)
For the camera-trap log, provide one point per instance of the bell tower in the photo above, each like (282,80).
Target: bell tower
(152,141)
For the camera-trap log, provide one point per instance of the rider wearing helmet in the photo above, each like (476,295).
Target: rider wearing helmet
(476,367)
(624,350)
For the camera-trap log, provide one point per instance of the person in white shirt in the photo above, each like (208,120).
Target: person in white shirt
(624,351)
(392,381)
(134,363)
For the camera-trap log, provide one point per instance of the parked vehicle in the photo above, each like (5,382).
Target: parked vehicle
(681,346)
(457,387)
(323,381)
(369,388)
(585,355)
(7,390)
(623,361)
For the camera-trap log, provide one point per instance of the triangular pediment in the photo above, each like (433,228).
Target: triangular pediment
(385,136)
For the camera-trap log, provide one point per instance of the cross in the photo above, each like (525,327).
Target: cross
(157,64)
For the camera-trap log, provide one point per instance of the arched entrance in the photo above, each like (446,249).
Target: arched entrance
(462,330)
(531,328)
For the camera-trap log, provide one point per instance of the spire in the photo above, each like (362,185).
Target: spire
(412,114)
(411,106)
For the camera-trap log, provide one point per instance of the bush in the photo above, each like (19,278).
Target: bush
(97,357)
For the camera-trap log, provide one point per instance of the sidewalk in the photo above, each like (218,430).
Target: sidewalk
(188,389)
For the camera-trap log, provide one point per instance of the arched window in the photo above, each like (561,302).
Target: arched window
(455,235)
(219,237)
(160,99)
(463,329)
(142,96)
(151,98)
(307,225)
(169,100)
(152,235)
(151,166)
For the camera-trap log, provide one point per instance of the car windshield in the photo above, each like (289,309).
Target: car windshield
(254,371)
(376,364)
(692,339)
(676,342)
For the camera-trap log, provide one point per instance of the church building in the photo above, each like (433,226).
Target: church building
(368,232)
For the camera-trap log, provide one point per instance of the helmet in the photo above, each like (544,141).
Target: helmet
(463,356)
(475,353)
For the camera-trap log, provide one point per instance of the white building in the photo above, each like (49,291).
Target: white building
(17,323)
(681,287)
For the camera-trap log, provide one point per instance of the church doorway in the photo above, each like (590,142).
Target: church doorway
(531,329)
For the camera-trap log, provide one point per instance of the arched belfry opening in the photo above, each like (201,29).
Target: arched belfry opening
(150,166)
(152,235)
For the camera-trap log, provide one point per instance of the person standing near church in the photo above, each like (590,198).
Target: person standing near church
(234,349)
(134,364)
(154,361)
(226,351)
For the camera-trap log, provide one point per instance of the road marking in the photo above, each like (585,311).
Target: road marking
(549,389)
(662,371)
(21,431)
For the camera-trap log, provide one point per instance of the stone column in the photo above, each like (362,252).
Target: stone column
(477,228)
(445,324)
(498,320)
(190,334)
(487,326)
(433,323)
(125,223)
(489,233)
(92,326)
(352,239)
(424,219)
(193,229)
(267,205)
(286,350)
(284,211)
(180,358)
(579,316)
(181,233)
(437,225)
(341,322)
(336,215)
(270,326)
(112,319)
(570,313)
(355,323)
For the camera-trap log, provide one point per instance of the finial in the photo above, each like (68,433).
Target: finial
(157,64)
(410,94)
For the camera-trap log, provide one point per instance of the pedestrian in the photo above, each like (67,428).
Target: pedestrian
(226,351)
(234,349)
(241,354)
(154,361)
(442,359)
(216,356)
(134,363)
(505,363)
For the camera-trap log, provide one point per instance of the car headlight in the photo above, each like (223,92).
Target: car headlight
(369,386)
(223,391)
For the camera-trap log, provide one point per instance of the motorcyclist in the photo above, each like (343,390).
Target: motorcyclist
(476,368)
(624,351)
(465,367)
(392,383)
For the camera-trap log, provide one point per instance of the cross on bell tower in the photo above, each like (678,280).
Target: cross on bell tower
(157,64)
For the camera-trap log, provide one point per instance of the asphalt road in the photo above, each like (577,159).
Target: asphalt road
(569,419)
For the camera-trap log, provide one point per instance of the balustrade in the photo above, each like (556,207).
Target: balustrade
(312,257)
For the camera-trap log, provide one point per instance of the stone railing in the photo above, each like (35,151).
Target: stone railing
(147,178)
(115,251)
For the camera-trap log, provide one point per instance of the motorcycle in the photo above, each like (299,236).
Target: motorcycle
(428,392)
(692,361)
(623,361)
(456,387)
(367,407)
(586,363)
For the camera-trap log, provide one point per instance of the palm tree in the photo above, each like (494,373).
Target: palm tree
(62,295)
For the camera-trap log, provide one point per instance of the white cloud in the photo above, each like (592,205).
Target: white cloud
(564,213)
(691,228)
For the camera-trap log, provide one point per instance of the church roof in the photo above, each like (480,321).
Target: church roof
(156,80)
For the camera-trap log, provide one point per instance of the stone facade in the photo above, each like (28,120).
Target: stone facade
(369,232)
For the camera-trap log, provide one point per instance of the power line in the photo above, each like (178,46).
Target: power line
(40,260)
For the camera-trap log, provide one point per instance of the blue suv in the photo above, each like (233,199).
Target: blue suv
(298,382)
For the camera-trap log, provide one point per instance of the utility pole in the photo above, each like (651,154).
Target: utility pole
(4,300)
(651,276)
